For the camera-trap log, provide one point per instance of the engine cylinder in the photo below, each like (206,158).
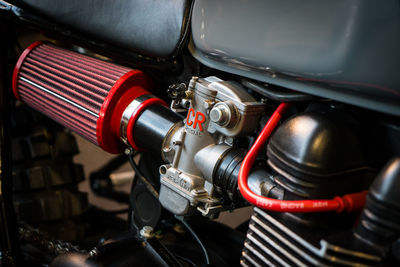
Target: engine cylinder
(87,95)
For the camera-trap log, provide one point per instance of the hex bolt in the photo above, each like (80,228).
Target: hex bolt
(220,114)
(147,232)
(216,115)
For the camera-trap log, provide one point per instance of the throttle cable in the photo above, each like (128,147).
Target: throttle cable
(143,178)
(196,238)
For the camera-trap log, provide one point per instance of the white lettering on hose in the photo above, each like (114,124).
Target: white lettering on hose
(320,204)
(292,206)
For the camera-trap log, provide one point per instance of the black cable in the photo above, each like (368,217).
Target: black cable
(185,260)
(131,154)
(155,194)
(101,184)
(148,185)
(276,94)
(194,235)
(134,182)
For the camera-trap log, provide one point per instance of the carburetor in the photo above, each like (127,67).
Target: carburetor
(113,107)
(218,112)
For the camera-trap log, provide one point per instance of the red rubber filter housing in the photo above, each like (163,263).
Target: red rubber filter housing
(85,94)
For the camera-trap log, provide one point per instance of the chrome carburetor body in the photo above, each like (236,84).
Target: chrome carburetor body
(219,112)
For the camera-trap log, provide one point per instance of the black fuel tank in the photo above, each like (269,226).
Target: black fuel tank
(347,50)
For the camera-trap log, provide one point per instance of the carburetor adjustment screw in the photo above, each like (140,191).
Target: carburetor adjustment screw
(222,114)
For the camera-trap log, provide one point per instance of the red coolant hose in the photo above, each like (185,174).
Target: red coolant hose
(347,202)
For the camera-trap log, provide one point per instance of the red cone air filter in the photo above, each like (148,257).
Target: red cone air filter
(84,94)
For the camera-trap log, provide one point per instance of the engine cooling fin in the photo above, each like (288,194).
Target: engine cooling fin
(85,94)
(270,243)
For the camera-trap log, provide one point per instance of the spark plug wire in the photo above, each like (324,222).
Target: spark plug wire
(349,202)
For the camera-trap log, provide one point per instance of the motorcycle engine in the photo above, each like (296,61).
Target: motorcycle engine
(315,154)
(311,156)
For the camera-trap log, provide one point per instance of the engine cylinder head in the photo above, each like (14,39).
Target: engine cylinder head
(87,95)
(317,155)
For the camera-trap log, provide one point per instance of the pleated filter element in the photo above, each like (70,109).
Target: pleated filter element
(84,94)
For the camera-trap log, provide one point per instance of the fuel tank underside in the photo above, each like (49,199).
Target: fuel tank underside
(346,50)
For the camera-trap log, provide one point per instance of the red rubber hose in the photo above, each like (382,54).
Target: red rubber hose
(347,202)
